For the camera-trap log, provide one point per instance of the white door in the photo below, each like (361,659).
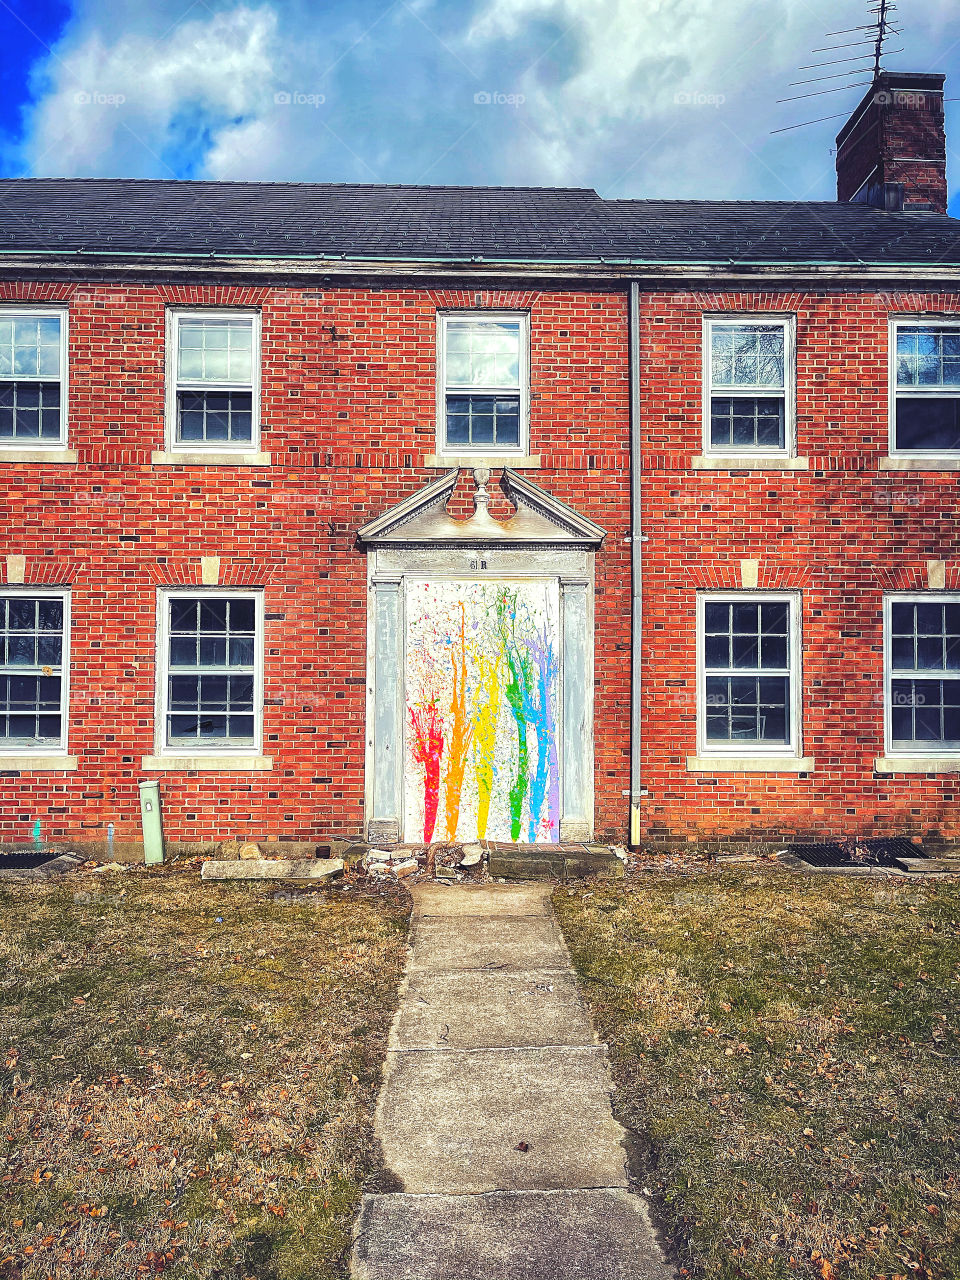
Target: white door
(482,694)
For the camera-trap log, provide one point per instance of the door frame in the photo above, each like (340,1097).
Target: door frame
(388,569)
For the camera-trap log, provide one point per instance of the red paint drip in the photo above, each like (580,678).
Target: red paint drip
(427,750)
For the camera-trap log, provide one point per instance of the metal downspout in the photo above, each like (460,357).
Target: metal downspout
(636,565)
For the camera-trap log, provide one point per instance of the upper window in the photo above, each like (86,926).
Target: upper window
(33,363)
(923,673)
(214,383)
(33,671)
(483,360)
(926,411)
(748,377)
(210,672)
(749,681)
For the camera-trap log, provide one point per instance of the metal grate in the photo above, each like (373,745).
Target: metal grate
(26,858)
(882,852)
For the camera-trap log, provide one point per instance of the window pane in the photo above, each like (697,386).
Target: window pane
(30,346)
(746,618)
(747,423)
(30,410)
(716,616)
(215,416)
(483,421)
(740,707)
(928,357)
(716,651)
(242,614)
(928,422)
(213,615)
(747,355)
(483,353)
(218,638)
(215,349)
(31,645)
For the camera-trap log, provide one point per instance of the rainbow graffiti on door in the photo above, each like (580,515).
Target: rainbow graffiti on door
(482,678)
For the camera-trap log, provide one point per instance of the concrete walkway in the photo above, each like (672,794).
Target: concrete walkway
(494,1119)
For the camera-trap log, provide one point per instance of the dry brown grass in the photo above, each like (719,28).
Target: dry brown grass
(190,1071)
(787,1044)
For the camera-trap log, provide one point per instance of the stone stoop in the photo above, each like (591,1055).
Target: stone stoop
(551,861)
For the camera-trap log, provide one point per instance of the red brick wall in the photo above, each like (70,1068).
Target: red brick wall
(843,533)
(899,137)
(348,409)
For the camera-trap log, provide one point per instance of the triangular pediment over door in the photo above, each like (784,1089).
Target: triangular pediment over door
(480,668)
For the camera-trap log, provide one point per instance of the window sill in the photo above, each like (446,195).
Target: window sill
(733,462)
(917,764)
(516,461)
(919,462)
(36,453)
(209,458)
(189,764)
(750,764)
(37,763)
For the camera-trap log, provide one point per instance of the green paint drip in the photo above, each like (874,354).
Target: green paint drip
(514,690)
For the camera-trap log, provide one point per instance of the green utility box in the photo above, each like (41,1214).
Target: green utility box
(152,821)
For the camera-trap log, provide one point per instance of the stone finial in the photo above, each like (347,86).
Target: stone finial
(481,476)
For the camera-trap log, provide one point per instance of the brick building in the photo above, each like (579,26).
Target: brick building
(436,513)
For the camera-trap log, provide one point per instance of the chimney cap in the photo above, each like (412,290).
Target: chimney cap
(906,81)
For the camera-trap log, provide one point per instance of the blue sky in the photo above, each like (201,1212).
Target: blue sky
(633,97)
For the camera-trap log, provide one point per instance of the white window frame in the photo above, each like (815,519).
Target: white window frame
(62,312)
(216,747)
(37,591)
(934,750)
(896,323)
(733,319)
(707,748)
(446,449)
(174,317)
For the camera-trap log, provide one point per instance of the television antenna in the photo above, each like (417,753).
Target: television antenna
(870,38)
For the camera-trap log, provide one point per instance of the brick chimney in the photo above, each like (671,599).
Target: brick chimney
(892,151)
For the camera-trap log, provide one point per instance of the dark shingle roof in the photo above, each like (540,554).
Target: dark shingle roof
(529,224)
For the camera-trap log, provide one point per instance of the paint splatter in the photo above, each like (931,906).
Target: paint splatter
(485,723)
(460,731)
(487,653)
(545,783)
(427,750)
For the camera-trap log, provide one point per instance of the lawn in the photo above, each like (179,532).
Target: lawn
(785,1047)
(189,1074)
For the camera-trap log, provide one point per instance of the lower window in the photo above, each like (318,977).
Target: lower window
(211,646)
(749,682)
(33,666)
(923,673)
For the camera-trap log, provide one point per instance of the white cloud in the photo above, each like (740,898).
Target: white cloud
(115,104)
(678,97)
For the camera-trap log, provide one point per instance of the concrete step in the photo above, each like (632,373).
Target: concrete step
(926,866)
(552,862)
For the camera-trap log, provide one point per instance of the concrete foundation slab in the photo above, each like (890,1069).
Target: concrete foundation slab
(565,1235)
(442,943)
(272,869)
(452,1122)
(481,1010)
(498,900)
